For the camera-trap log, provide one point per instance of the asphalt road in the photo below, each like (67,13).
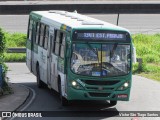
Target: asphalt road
(145,96)
(136,23)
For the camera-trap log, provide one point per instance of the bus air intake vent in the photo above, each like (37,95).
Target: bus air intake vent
(91,23)
(79,19)
(93,94)
(68,15)
(73,17)
(58,12)
(98,82)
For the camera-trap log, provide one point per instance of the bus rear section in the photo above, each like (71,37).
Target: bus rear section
(99,67)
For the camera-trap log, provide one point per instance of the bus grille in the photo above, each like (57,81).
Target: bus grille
(95,82)
(96,88)
(99,94)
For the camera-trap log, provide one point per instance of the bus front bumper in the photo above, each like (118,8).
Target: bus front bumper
(74,94)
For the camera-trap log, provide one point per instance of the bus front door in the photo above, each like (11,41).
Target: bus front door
(32,46)
(49,58)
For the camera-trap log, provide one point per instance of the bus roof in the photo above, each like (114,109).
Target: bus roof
(74,20)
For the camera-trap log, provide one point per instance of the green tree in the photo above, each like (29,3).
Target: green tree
(2,46)
(2,50)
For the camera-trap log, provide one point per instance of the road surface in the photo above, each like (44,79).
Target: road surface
(145,96)
(136,23)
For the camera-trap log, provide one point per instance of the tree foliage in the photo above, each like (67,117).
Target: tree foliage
(2,49)
(2,46)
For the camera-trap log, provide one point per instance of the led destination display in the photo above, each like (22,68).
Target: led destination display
(101,36)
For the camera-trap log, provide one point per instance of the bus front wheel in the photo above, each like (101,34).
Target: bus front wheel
(113,103)
(64,101)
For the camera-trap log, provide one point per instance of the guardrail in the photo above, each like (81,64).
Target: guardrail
(84,8)
(16,50)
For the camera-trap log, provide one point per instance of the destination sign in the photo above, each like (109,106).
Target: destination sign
(101,36)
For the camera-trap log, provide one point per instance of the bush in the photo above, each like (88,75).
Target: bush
(147,47)
(135,68)
(15,40)
(15,57)
(2,49)
(2,46)
(151,58)
(2,42)
(139,68)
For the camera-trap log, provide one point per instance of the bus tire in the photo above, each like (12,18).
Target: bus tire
(64,101)
(113,103)
(39,82)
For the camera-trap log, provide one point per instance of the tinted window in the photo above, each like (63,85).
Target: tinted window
(41,35)
(62,46)
(46,37)
(30,29)
(57,43)
(54,41)
(37,32)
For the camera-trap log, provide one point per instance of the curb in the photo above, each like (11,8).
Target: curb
(14,101)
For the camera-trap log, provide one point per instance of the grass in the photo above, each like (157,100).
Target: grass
(150,70)
(154,76)
(15,40)
(148,48)
(15,57)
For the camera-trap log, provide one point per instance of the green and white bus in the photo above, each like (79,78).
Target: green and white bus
(80,57)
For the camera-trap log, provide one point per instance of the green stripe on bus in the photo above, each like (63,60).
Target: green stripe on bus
(36,16)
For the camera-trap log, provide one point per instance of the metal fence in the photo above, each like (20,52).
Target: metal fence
(16,50)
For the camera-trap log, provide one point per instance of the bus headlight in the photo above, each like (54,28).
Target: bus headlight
(76,85)
(124,86)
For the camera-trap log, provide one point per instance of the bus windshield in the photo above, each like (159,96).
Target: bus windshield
(100,59)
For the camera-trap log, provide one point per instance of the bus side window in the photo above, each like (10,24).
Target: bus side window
(62,46)
(37,32)
(54,41)
(60,42)
(30,29)
(46,35)
(57,43)
(41,35)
